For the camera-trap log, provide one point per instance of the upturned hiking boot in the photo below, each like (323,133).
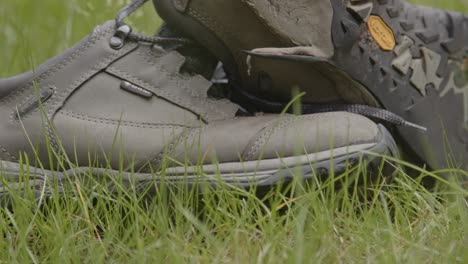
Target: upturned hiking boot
(119,103)
(408,59)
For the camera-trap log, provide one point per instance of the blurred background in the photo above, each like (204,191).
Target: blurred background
(33,31)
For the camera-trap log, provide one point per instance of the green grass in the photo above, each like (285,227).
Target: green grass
(397,222)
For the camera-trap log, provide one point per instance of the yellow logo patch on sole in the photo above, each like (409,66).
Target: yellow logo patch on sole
(381,33)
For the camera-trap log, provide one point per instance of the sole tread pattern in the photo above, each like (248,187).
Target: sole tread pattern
(430,44)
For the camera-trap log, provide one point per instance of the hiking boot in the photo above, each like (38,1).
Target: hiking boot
(119,104)
(408,59)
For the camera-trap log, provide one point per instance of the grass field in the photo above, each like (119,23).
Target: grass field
(397,222)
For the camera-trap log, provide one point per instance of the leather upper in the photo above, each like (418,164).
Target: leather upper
(86,113)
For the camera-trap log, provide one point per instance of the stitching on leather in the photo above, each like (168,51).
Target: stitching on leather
(30,98)
(162,93)
(107,121)
(147,55)
(13,158)
(156,161)
(189,138)
(185,136)
(93,39)
(197,107)
(214,106)
(55,101)
(194,131)
(263,138)
(62,95)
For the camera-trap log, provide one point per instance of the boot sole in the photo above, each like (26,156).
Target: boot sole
(408,58)
(261,174)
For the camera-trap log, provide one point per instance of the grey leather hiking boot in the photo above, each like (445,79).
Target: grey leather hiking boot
(120,105)
(408,59)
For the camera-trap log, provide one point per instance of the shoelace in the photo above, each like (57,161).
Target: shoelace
(125,32)
(364,110)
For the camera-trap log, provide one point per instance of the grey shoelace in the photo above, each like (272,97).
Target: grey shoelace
(129,10)
(363,110)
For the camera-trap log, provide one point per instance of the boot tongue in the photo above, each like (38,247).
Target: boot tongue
(198,60)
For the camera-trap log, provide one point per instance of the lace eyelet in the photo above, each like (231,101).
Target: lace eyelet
(118,40)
